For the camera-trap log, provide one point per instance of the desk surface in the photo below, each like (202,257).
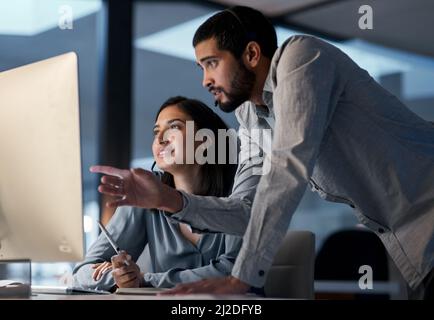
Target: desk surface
(144,297)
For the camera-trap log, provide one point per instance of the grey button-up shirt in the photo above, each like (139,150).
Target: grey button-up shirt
(171,258)
(336,129)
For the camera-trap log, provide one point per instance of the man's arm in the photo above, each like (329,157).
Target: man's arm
(308,87)
(229,215)
(304,101)
(140,188)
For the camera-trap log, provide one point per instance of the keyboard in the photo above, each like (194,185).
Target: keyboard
(65,290)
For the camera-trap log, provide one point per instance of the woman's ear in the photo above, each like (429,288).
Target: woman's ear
(252,54)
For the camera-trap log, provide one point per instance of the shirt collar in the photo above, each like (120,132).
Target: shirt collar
(268,83)
(267,96)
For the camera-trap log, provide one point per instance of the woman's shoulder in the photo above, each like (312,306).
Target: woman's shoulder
(128,210)
(127,214)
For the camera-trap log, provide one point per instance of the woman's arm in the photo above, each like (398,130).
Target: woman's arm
(219,267)
(230,214)
(128,229)
(140,188)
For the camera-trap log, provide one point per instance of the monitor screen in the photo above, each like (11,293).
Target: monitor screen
(40,163)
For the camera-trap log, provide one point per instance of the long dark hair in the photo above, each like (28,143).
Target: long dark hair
(216,179)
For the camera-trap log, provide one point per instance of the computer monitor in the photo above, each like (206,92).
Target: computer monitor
(40,163)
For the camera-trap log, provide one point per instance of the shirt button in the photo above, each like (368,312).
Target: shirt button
(261,273)
(381,230)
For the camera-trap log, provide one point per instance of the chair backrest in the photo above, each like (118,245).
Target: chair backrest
(339,259)
(344,251)
(291,275)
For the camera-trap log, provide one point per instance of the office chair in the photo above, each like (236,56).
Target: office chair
(292,271)
(342,254)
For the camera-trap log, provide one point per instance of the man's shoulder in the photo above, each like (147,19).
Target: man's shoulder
(300,50)
(303,40)
(303,44)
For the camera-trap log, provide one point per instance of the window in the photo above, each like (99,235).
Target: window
(164,66)
(33,30)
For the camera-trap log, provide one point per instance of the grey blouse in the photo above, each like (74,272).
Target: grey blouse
(171,258)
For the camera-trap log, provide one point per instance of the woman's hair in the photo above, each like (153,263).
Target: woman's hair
(216,179)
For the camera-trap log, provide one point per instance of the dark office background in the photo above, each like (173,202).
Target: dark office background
(125,73)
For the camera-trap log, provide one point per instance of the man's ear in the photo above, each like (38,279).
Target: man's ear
(252,54)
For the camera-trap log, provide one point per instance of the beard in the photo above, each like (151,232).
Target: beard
(240,89)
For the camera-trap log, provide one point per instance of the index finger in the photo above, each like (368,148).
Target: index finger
(112,171)
(119,260)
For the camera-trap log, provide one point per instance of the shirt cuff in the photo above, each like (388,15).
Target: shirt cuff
(150,280)
(251,268)
(186,212)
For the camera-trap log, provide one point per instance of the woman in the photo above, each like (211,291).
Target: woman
(176,254)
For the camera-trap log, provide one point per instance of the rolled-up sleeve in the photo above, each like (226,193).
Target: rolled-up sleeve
(219,267)
(304,99)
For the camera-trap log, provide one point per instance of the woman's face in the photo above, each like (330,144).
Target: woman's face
(170,133)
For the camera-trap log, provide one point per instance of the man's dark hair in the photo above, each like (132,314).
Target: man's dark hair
(216,179)
(235,27)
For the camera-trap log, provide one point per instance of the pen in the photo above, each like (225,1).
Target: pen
(110,240)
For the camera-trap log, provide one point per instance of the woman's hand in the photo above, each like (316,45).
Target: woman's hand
(137,188)
(101,269)
(126,272)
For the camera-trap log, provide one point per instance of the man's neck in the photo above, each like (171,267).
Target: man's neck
(261,77)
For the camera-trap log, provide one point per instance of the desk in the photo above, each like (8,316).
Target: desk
(379,287)
(144,297)
(349,290)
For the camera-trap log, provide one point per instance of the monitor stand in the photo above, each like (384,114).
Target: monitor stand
(15,278)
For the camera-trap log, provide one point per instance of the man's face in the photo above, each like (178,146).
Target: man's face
(225,77)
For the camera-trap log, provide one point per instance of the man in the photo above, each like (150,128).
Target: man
(333,127)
